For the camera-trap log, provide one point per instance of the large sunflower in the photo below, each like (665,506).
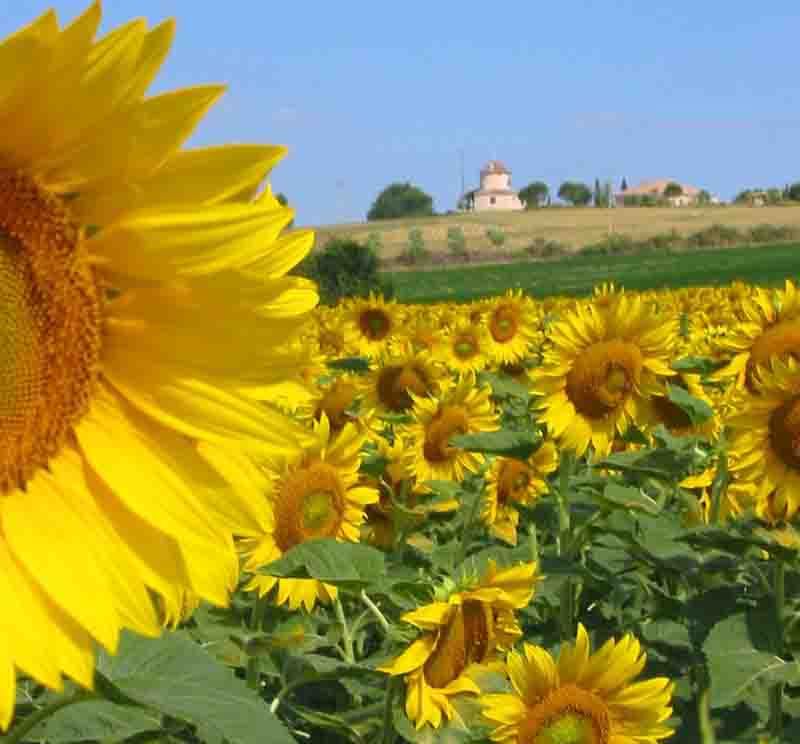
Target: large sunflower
(603,365)
(583,698)
(392,378)
(375,323)
(463,408)
(765,440)
(770,328)
(461,633)
(314,495)
(511,481)
(141,292)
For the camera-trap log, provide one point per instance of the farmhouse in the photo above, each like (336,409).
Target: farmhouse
(656,188)
(495,192)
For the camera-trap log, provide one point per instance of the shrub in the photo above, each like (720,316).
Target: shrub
(715,235)
(496,236)
(375,242)
(415,250)
(772,233)
(344,268)
(456,242)
(541,248)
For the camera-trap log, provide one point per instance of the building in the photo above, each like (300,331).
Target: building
(495,192)
(655,190)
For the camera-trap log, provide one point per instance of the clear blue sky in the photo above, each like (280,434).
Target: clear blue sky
(366,93)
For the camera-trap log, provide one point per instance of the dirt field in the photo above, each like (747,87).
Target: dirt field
(575,227)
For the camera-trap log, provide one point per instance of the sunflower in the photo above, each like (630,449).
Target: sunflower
(603,365)
(770,328)
(392,378)
(375,322)
(397,484)
(583,698)
(765,440)
(512,322)
(462,632)
(698,488)
(675,419)
(465,347)
(311,496)
(143,291)
(511,481)
(335,337)
(463,408)
(336,398)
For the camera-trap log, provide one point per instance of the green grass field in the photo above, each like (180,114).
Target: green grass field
(576,275)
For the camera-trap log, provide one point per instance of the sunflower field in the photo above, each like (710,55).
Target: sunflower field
(230,515)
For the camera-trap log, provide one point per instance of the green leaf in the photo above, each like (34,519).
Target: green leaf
(629,497)
(97,720)
(329,560)
(736,666)
(697,410)
(696,365)
(360,365)
(517,444)
(504,386)
(175,676)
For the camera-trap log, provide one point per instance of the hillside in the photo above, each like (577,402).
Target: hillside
(574,227)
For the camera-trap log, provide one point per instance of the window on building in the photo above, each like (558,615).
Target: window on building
(492,200)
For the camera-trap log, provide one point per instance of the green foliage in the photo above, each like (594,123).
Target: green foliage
(496,236)
(456,242)
(542,248)
(576,193)
(415,251)
(534,194)
(375,242)
(344,268)
(793,191)
(673,189)
(401,200)
(329,560)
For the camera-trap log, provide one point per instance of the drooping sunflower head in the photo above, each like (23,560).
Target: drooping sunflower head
(315,495)
(462,408)
(142,293)
(376,323)
(512,322)
(601,369)
(336,398)
(335,337)
(461,634)
(583,698)
(511,481)
(770,329)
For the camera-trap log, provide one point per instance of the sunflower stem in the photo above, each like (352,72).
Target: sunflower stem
(704,722)
(388,723)
(377,614)
(567,595)
(26,725)
(776,691)
(718,488)
(253,663)
(466,534)
(347,638)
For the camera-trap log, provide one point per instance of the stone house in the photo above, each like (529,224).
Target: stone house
(495,192)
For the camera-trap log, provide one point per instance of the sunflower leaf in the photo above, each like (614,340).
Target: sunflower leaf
(517,444)
(329,560)
(737,667)
(629,497)
(697,410)
(176,676)
(359,365)
(696,365)
(96,720)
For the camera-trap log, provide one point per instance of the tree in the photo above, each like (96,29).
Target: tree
(534,194)
(673,189)
(576,193)
(467,201)
(703,197)
(624,185)
(401,200)
(793,192)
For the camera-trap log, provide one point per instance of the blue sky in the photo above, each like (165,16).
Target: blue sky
(369,93)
